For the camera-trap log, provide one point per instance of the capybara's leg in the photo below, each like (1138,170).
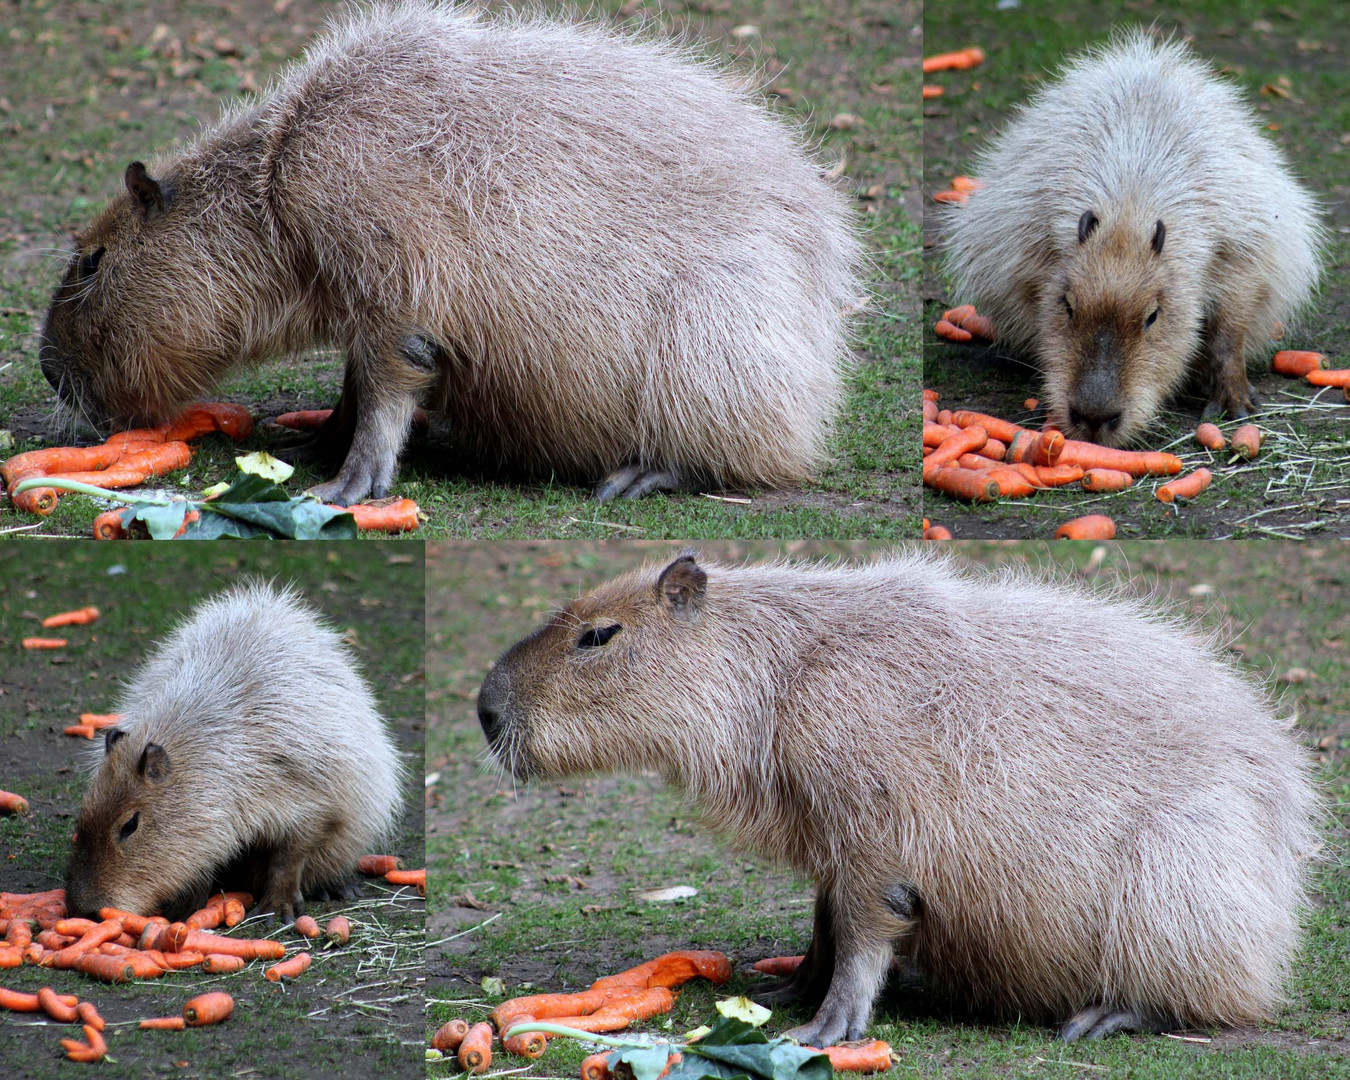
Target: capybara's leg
(1099,1021)
(863,946)
(1230,392)
(332,440)
(385,382)
(633,481)
(282,896)
(811,980)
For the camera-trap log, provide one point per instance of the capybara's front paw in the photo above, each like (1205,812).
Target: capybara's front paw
(633,481)
(358,480)
(833,1023)
(1236,401)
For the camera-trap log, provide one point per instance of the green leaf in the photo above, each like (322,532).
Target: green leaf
(646,1063)
(734,1048)
(161,520)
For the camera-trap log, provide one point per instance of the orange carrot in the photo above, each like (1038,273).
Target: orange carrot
(293,968)
(84,731)
(944,417)
(1185,487)
(1338,377)
(11,956)
(163,1023)
(89,941)
(957,316)
(994,448)
(409,877)
(394,516)
(1106,480)
(107,968)
(1090,527)
(1210,437)
(13,804)
(548,1006)
(98,721)
(1030,404)
(304,420)
(596,1067)
(93,1050)
(203,419)
(17,1001)
(205,942)
(338,930)
(450,1035)
(950,196)
(779,965)
(1296,363)
(953,446)
(928,92)
(108,525)
(208,918)
(531,1044)
(1012,484)
(130,920)
(961,60)
(619,1013)
(967,183)
(88,1014)
(18,933)
(82,617)
(962,483)
(75,927)
(943,328)
(1134,462)
(55,1007)
(1003,430)
(209,1008)
(1058,475)
(475,1052)
(235,911)
(58,459)
(1247,441)
(306,925)
(930,395)
(220,964)
(937,532)
(44,643)
(378,865)
(872,1055)
(930,411)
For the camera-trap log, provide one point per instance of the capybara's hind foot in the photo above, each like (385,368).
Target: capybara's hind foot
(1099,1021)
(345,889)
(283,906)
(633,481)
(1235,406)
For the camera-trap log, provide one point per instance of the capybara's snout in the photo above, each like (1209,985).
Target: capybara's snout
(493,696)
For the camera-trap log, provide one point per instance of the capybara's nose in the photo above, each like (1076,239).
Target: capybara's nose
(1100,420)
(51,371)
(491,698)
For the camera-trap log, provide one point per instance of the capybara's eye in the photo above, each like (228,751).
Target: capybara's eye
(1068,306)
(89,262)
(130,826)
(597,636)
(1152,317)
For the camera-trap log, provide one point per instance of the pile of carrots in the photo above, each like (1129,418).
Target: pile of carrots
(611,1004)
(1312,367)
(390,867)
(127,459)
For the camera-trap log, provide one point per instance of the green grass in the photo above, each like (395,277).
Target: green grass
(513,851)
(357,1012)
(134,96)
(1300,485)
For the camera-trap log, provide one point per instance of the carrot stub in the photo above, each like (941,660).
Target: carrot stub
(779,965)
(208,1009)
(88,1014)
(1210,437)
(12,804)
(54,1007)
(1247,441)
(394,516)
(1090,527)
(409,877)
(108,525)
(1185,487)
(870,1056)
(1106,480)
(961,60)
(450,1035)
(378,865)
(596,1067)
(475,1052)
(44,643)
(83,731)
(82,617)
(93,1050)
(338,930)
(948,330)
(220,964)
(530,1044)
(307,926)
(293,968)
(937,532)
(163,1023)
(1336,377)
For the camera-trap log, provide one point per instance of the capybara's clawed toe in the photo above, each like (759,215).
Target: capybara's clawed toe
(1099,1021)
(633,481)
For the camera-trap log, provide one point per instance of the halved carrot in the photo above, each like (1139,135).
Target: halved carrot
(82,617)
(1089,527)
(1247,441)
(1106,480)
(1185,487)
(409,877)
(944,329)
(13,804)
(378,865)
(475,1052)
(779,965)
(530,1044)
(960,60)
(1336,377)
(871,1055)
(450,1035)
(338,930)
(293,968)
(307,926)
(55,1007)
(108,525)
(1296,363)
(1210,437)
(619,1013)
(99,721)
(596,1067)
(44,643)
(220,964)
(163,1023)
(209,1008)
(83,731)
(88,1014)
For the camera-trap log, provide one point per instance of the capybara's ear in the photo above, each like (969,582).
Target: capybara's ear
(145,188)
(1158,234)
(110,738)
(682,585)
(1086,224)
(154,763)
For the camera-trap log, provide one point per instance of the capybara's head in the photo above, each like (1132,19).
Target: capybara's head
(1117,331)
(134,839)
(145,320)
(618,680)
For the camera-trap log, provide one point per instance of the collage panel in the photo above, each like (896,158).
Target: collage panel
(499,263)
(239,719)
(1151,226)
(1040,792)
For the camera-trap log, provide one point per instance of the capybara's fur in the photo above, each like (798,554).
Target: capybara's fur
(1058,804)
(1136,231)
(249,744)
(598,255)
